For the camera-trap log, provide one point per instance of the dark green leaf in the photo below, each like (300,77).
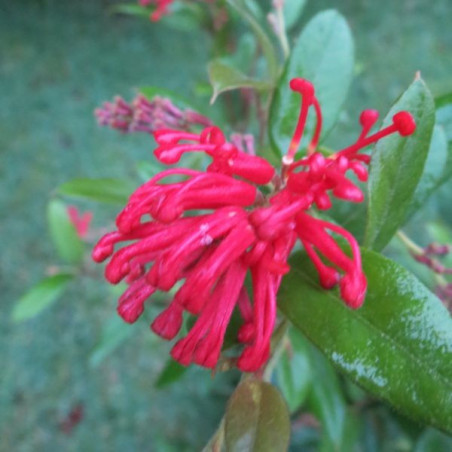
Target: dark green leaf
(437,169)
(40,296)
(293,371)
(173,371)
(115,191)
(292,12)
(114,333)
(256,419)
(226,78)
(397,166)
(398,346)
(63,233)
(323,54)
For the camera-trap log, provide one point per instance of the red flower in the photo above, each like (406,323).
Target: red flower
(243,229)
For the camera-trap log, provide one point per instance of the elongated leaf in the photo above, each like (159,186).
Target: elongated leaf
(226,78)
(398,346)
(323,54)
(114,191)
(172,372)
(256,419)
(397,166)
(437,169)
(114,333)
(40,296)
(293,372)
(292,12)
(63,233)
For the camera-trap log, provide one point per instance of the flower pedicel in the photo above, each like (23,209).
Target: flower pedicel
(244,230)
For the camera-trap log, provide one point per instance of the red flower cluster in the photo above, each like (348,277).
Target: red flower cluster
(241,229)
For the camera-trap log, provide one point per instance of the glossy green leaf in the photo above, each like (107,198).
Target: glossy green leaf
(256,419)
(292,10)
(437,169)
(326,401)
(226,78)
(172,372)
(265,42)
(114,191)
(323,54)
(40,296)
(398,346)
(114,333)
(63,233)
(397,166)
(293,372)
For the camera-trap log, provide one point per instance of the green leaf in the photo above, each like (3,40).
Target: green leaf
(114,333)
(114,191)
(129,9)
(292,12)
(40,296)
(397,166)
(398,346)
(444,114)
(256,419)
(327,402)
(173,371)
(264,41)
(63,233)
(323,54)
(293,371)
(226,78)
(437,169)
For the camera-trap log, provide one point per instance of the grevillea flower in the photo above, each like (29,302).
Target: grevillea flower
(143,115)
(209,229)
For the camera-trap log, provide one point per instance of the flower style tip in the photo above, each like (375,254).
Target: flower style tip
(209,229)
(404,123)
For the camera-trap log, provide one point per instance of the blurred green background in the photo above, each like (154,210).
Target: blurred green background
(58,61)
